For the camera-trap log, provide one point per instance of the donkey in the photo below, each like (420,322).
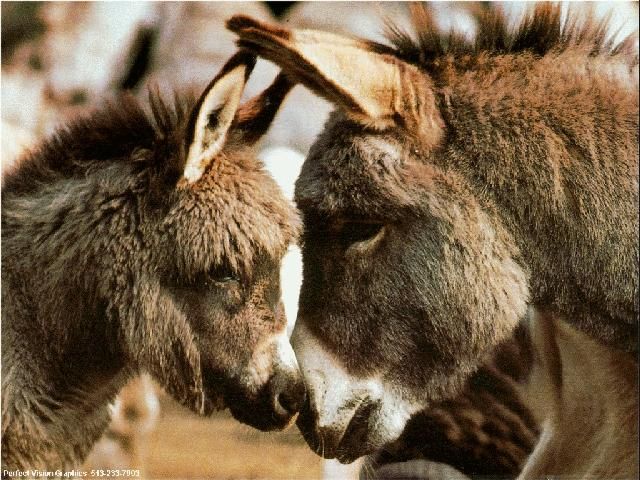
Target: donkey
(460,189)
(145,241)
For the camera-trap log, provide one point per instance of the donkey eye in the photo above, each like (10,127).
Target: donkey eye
(222,274)
(355,232)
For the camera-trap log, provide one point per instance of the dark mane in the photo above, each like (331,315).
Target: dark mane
(119,131)
(540,33)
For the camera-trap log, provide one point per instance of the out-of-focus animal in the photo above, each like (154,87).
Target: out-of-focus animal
(133,416)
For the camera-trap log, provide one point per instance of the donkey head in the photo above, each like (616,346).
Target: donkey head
(409,279)
(207,319)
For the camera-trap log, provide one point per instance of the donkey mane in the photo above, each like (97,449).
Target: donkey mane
(119,131)
(540,33)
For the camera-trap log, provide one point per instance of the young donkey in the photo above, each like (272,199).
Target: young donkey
(460,189)
(132,242)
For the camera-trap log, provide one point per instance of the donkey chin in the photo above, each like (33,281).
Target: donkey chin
(266,391)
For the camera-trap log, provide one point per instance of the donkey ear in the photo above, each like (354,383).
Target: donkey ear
(255,116)
(213,114)
(354,74)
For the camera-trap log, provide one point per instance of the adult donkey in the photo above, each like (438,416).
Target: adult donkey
(133,241)
(460,189)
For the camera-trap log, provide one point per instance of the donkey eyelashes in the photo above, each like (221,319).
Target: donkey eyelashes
(221,274)
(348,233)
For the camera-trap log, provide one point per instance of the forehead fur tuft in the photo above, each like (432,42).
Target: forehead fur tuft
(234,214)
(354,172)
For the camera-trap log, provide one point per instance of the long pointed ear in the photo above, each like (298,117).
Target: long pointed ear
(213,114)
(361,77)
(255,116)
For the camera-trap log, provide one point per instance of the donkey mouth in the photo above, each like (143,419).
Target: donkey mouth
(355,441)
(253,408)
(345,447)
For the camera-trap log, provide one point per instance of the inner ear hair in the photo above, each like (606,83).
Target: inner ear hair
(213,114)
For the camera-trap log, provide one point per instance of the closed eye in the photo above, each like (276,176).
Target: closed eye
(351,233)
(221,274)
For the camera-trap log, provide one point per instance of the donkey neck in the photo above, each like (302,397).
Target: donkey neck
(62,361)
(584,395)
(55,400)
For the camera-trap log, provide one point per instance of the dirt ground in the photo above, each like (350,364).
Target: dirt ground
(185,446)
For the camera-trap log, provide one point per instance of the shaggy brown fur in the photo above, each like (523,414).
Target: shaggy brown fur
(456,188)
(111,263)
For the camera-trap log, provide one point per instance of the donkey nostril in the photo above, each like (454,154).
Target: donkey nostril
(289,402)
(287,397)
(131,413)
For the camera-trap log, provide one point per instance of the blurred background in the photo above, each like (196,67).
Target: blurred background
(63,58)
